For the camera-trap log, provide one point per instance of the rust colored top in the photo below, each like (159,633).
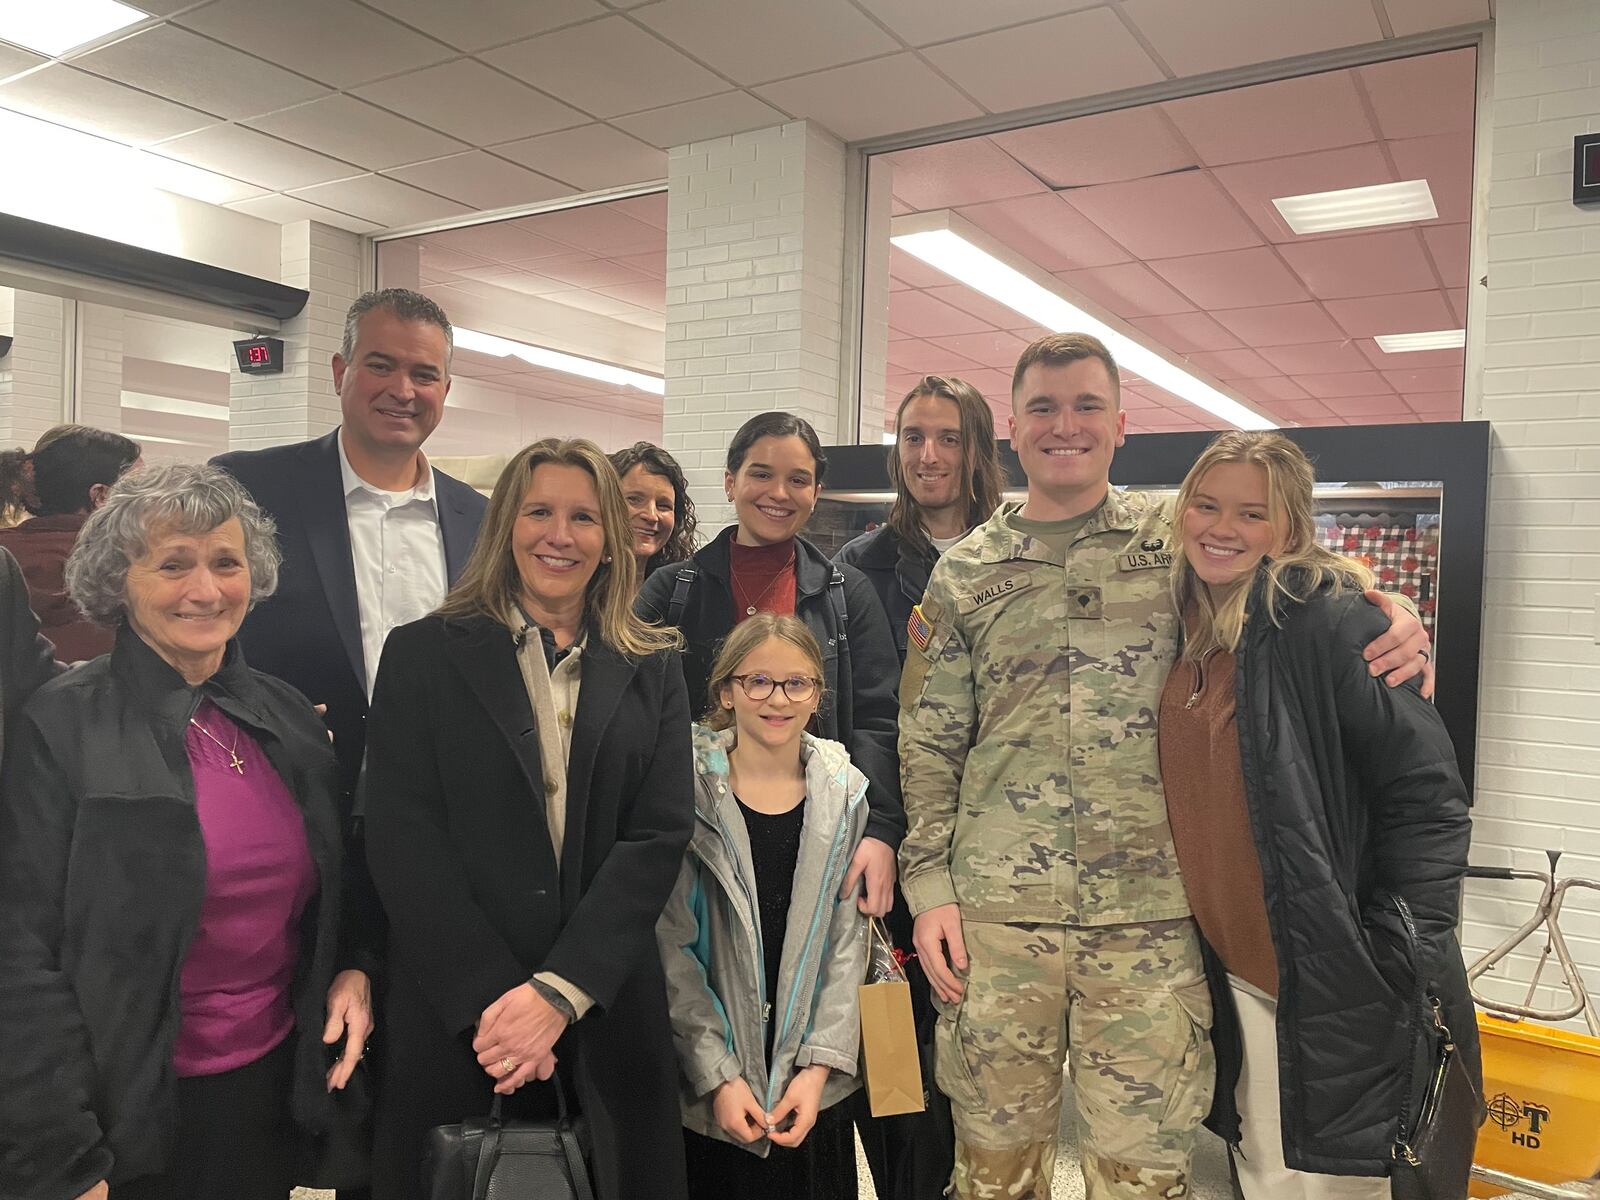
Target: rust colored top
(1217,858)
(41,547)
(762,578)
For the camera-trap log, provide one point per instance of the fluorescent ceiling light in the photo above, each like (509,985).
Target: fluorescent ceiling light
(1357,208)
(57,26)
(1439,339)
(555,360)
(962,260)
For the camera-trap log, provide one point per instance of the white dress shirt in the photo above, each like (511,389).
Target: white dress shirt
(397,548)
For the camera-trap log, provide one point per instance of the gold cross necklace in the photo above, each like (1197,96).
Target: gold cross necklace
(235,761)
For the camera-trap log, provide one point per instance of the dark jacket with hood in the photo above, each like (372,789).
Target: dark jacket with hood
(1355,800)
(26,657)
(102,877)
(861,671)
(897,571)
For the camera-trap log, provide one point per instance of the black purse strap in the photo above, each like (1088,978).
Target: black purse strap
(489,1154)
(1423,1000)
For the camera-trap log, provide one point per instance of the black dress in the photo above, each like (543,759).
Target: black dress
(823,1167)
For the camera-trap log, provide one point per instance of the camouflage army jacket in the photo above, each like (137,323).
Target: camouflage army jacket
(1028,725)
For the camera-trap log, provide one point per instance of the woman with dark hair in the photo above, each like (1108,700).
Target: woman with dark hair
(529,794)
(61,481)
(660,512)
(773,478)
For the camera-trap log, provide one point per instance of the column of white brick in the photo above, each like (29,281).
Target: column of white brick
(270,410)
(1539,728)
(99,366)
(33,375)
(755,244)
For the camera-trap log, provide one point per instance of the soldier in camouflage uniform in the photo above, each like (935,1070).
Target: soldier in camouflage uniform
(1039,865)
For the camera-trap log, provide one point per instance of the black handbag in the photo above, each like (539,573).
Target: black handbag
(1432,1160)
(495,1159)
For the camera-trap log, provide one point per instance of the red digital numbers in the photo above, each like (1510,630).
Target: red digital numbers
(259,354)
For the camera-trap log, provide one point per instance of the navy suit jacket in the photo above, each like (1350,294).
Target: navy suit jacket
(309,632)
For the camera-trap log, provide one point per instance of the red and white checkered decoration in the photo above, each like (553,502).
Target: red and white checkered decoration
(1405,560)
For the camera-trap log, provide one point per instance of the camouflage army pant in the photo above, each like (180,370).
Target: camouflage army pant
(1129,1004)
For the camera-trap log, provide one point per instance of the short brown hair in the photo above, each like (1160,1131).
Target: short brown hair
(746,636)
(1059,349)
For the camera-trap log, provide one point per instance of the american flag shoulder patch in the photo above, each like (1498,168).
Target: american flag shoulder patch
(919,628)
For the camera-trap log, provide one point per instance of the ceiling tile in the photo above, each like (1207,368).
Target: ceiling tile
(999,349)
(77,99)
(599,230)
(1193,38)
(1363,264)
(1270,389)
(1316,358)
(1344,383)
(286,209)
(467,100)
(1279,325)
(918,358)
(1443,406)
(1229,365)
(606,67)
(589,157)
(497,241)
(911,271)
(589,301)
(475,24)
(923,22)
(1130,143)
(949,174)
(653,264)
(1232,279)
(1449,245)
(587,271)
(1410,312)
(357,132)
(918,314)
(1166,217)
(14,59)
(1426,379)
(1304,412)
(1079,54)
(1445,161)
(1419,16)
(1127,289)
(991,312)
(1254,186)
(1046,231)
(336,41)
(1364,410)
(1270,120)
(886,95)
(1187,333)
(1458,304)
(254,157)
(651,208)
(1408,359)
(647,293)
(480,180)
(195,182)
(756,41)
(1430,93)
(189,69)
(441,260)
(697,120)
(386,201)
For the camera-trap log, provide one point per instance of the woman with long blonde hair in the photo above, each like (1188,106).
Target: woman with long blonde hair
(529,793)
(1321,829)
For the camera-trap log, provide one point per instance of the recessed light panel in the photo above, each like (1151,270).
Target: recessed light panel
(57,26)
(1358,208)
(1439,339)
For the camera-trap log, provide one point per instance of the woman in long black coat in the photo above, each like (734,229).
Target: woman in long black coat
(502,964)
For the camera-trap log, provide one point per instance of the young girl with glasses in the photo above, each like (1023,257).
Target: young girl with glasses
(763,954)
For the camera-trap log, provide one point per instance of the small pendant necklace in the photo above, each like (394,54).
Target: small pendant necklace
(755,606)
(235,761)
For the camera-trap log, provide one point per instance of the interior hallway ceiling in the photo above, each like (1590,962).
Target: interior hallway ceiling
(374,114)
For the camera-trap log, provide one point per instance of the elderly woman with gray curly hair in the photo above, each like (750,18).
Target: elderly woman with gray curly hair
(179,1015)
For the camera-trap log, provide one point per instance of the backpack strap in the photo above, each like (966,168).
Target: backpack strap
(680,592)
(840,612)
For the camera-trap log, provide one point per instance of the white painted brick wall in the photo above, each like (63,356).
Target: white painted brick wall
(32,375)
(1539,724)
(755,251)
(99,367)
(271,410)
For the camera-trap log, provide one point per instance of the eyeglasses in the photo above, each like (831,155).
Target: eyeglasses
(798,688)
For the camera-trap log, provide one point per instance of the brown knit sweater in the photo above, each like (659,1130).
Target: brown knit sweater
(1200,772)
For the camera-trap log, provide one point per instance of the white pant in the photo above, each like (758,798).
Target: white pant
(1262,1174)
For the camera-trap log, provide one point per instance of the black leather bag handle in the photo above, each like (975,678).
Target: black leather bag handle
(489,1152)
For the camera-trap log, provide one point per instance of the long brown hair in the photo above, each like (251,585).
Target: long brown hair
(658,462)
(490,584)
(982,475)
(1300,567)
(746,636)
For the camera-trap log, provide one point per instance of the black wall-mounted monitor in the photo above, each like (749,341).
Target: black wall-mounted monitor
(260,356)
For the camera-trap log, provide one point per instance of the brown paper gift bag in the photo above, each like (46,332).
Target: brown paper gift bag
(889,1057)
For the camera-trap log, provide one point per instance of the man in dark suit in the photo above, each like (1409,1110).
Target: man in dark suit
(372,536)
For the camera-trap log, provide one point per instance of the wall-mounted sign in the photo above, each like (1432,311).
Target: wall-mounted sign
(260,356)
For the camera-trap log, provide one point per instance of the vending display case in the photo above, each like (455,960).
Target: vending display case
(1408,500)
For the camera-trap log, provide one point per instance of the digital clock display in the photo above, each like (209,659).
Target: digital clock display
(259,356)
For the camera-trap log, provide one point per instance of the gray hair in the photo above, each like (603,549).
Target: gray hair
(402,303)
(190,497)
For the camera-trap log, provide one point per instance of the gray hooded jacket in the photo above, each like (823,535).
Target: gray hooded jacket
(711,939)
